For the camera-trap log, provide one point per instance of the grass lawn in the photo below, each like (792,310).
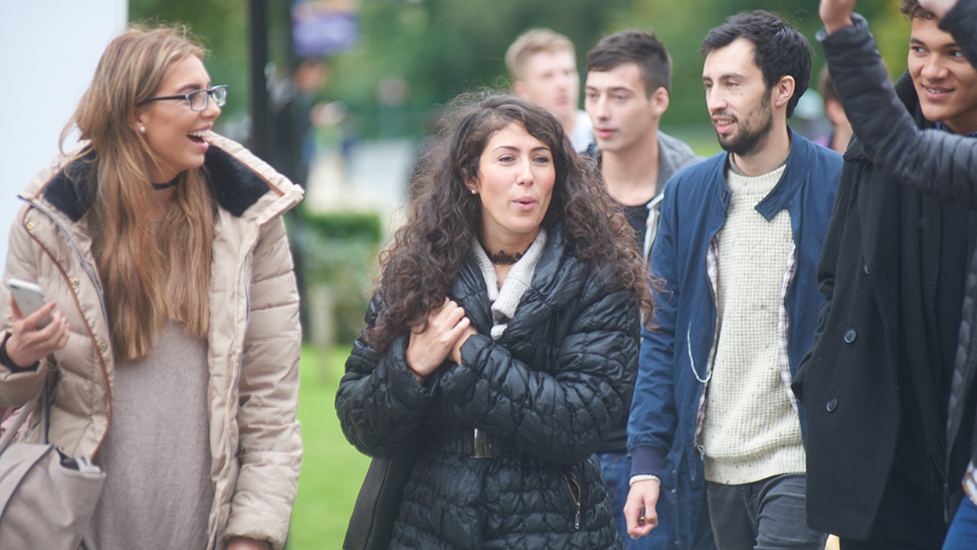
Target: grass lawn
(332,470)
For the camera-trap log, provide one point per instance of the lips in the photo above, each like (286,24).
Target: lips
(936,92)
(199,138)
(604,132)
(722,123)
(525,203)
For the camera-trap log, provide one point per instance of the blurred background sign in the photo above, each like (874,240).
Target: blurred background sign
(324,27)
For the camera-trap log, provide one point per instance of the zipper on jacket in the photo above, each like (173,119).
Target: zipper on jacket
(81,258)
(101,301)
(247,318)
(571,484)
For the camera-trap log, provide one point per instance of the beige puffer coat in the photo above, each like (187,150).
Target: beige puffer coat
(254,338)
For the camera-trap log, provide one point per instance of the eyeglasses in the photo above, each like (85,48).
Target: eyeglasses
(198,99)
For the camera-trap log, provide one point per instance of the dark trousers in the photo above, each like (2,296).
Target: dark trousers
(769,514)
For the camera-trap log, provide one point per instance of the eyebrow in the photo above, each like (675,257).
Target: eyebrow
(947,46)
(513,148)
(727,76)
(191,88)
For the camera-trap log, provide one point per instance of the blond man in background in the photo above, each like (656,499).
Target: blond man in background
(543,68)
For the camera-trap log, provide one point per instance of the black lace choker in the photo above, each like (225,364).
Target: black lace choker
(167,185)
(501,258)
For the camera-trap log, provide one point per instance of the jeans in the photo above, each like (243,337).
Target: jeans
(767,514)
(963,529)
(616,468)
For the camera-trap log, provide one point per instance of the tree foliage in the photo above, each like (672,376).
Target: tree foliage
(441,48)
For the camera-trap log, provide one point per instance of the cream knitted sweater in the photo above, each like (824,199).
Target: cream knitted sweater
(751,431)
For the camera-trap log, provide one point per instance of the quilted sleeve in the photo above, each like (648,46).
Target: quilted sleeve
(22,261)
(559,417)
(379,402)
(270,443)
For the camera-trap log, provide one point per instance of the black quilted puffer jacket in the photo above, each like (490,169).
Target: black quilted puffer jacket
(547,392)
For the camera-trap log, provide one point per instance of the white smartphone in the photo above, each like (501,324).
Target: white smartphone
(29,299)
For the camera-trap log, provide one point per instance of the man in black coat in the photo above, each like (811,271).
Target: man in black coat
(877,380)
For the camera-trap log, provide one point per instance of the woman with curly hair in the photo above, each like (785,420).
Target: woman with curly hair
(503,339)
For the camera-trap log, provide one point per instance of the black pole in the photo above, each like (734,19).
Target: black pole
(259,86)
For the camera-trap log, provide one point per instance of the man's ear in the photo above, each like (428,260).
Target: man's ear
(783,91)
(835,112)
(659,100)
(519,88)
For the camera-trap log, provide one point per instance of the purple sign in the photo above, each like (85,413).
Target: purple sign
(322,28)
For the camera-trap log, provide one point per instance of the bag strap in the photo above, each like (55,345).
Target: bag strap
(21,417)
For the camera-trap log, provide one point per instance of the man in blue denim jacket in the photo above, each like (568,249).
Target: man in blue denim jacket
(738,243)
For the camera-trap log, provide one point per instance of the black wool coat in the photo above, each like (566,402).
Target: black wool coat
(934,162)
(848,380)
(548,391)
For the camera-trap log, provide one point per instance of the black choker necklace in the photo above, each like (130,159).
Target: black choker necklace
(501,258)
(167,185)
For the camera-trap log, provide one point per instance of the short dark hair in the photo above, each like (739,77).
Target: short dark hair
(779,49)
(912,10)
(634,46)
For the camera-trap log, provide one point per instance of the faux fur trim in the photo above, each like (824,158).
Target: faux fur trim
(234,184)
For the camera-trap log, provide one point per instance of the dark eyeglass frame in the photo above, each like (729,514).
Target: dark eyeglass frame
(210,92)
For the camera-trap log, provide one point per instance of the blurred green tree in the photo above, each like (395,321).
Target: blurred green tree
(221,27)
(428,51)
(441,48)
(682,31)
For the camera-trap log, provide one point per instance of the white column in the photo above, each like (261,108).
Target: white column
(48,53)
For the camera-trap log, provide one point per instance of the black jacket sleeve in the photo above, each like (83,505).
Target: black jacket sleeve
(560,416)
(379,402)
(961,22)
(932,161)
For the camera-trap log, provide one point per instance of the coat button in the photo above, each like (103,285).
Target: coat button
(832,405)
(74,281)
(850,336)
(30,225)
(103,347)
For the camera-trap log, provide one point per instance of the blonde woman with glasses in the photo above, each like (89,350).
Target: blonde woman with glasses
(171,358)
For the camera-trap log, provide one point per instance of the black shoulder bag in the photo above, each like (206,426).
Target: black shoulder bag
(378,504)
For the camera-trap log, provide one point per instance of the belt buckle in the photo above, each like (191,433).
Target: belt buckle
(482,444)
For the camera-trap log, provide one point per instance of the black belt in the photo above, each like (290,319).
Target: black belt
(473,442)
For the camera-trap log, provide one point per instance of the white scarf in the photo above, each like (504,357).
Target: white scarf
(505,300)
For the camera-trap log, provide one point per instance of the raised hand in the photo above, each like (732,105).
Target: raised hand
(429,348)
(28,345)
(836,14)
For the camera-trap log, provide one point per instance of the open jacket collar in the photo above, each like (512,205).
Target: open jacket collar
(239,180)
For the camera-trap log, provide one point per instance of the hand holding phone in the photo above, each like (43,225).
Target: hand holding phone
(36,330)
(29,298)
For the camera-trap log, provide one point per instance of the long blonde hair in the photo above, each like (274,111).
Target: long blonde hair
(149,276)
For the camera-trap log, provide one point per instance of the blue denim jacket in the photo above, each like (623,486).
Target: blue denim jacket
(667,392)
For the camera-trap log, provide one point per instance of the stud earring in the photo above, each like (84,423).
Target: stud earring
(142,129)
(473,192)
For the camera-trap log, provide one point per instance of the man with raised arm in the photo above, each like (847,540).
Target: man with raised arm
(905,481)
